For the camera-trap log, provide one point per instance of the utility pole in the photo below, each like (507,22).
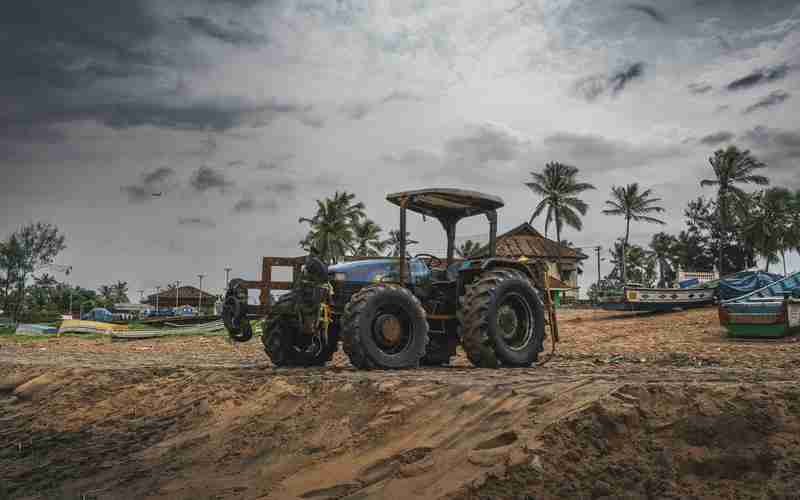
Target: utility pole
(158,290)
(177,292)
(597,286)
(200,301)
(227,276)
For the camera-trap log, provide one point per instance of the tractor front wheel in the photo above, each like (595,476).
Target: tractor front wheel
(502,320)
(286,345)
(384,326)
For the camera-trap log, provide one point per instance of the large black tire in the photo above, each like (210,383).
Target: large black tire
(234,317)
(282,343)
(518,338)
(364,336)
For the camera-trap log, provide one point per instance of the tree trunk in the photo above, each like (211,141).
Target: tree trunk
(20,297)
(625,250)
(783,256)
(721,208)
(558,238)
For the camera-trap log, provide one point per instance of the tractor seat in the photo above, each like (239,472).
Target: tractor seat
(438,274)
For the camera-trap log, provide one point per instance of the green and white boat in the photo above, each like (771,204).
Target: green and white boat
(769,312)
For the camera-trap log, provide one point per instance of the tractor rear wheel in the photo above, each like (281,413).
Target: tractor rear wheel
(502,320)
(286,345)
(384,326)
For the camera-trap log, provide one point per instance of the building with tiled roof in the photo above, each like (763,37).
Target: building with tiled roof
(186,295)
(524,242)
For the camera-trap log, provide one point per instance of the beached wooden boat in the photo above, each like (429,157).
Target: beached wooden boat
(696,294)
(632,298)
(770,312)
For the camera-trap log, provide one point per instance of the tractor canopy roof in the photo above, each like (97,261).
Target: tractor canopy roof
(444,203)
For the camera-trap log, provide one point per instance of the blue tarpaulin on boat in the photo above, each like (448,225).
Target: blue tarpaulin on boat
(776,289)
(745,282)
(689,283)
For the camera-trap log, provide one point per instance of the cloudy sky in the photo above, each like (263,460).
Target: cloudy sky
(243,112)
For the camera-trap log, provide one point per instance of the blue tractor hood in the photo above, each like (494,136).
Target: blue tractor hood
(366,271)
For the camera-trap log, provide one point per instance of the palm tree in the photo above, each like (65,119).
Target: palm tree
(639,263)
(331,232)
(635,206)
(768,224)
(120,291)
(467,249)
(367,237)
(559,189)
(106,294)
(664,248)
(731,167)
(793,239)
(393,242)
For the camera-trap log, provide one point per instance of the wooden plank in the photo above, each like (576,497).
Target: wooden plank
(284,261)
(273,285)
(266,278)
(253,285)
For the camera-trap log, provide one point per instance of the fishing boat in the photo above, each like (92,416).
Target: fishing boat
(768,312)
(638,298)
(702,289)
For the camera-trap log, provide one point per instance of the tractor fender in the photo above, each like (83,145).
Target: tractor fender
(495,263)
(535,271)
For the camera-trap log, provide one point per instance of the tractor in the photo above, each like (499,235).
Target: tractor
(392,313)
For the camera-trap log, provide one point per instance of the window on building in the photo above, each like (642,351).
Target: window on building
(566,276)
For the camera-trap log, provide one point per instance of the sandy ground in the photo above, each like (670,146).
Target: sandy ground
(632,406)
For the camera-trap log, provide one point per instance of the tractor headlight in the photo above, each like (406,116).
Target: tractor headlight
(339,277)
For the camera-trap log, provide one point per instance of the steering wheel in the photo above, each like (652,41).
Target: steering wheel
(436,261)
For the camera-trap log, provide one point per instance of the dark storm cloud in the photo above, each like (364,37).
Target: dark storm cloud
(398,95)
(207,178)
(699,88)
(219,116)
(594,152)
(281,187)
(355,111)
(53,45)
(773,99)
(778,148)
(716,138)
(311,120)
(779,139)
(580,145)
(622,78)
(136,193)
(233,34)
(249,205)
(203,222)
(648,11)
(95,60)
(759,77)
(486,143)
(358,110)
(158,175)
(216,116)
(276,163)
(151,185)
(592,87)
